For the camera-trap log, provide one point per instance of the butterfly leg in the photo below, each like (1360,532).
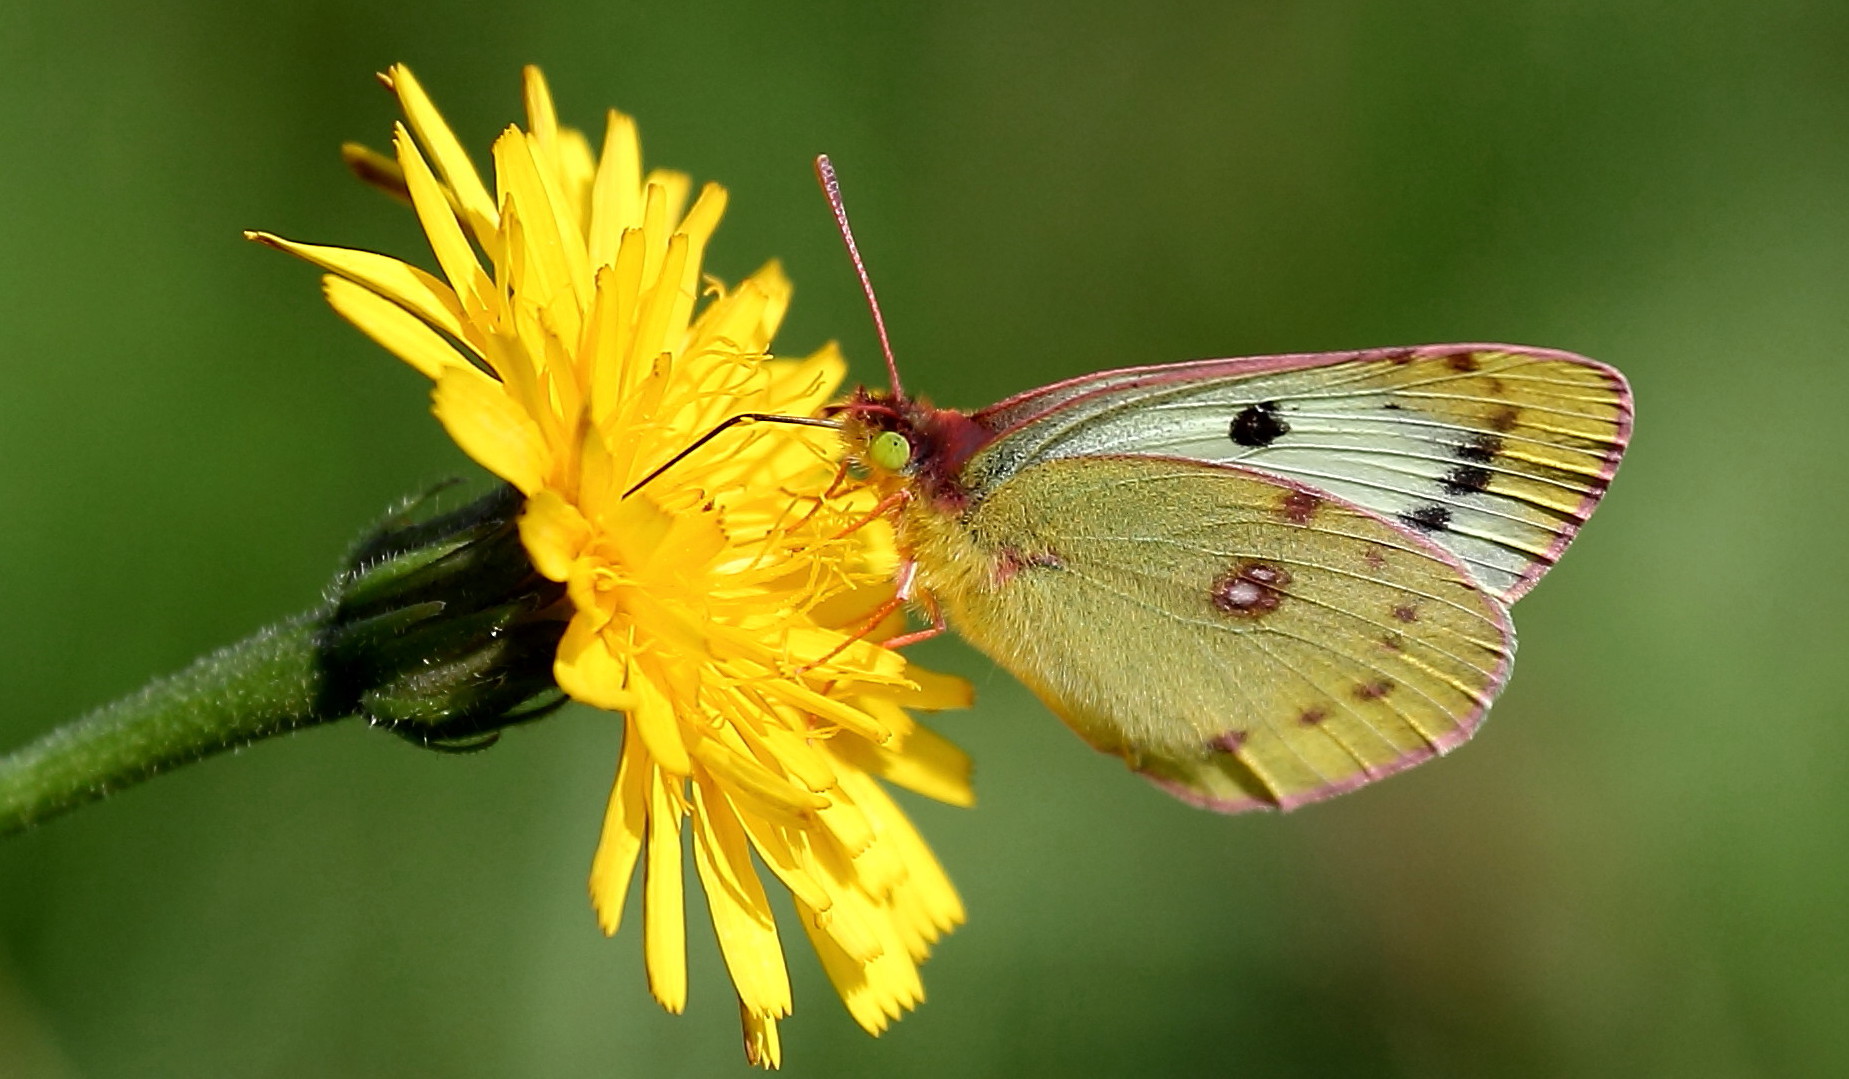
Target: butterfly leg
(886,505)
(880,614)
(834,489)
(906,579)
(937,626)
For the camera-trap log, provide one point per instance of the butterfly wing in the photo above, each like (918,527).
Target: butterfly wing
(1243,641)
(1496,452)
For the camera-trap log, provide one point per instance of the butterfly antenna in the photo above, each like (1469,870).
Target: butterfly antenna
(831,187)
(743,417)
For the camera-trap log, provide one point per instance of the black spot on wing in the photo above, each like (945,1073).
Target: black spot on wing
(1481,448)
(1258,425)
(1427,518)
(1466,480)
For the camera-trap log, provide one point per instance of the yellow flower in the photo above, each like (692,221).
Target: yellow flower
(716,605)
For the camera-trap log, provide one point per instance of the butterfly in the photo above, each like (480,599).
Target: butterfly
(1261,582)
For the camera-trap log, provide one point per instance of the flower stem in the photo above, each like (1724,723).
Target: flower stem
(437,629)
(269,684)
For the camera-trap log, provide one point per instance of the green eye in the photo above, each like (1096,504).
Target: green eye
(890,451)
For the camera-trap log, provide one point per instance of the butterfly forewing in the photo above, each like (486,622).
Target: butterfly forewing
(1244,641)
(1497,453)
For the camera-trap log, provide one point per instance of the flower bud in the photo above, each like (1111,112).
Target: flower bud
(440,629)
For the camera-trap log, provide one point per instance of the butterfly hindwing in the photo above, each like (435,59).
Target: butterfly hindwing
(1244,641)
(1497,453)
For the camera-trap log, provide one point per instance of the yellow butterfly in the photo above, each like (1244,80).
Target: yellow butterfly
(1261,582)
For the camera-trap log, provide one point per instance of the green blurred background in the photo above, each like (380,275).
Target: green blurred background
(1640,868)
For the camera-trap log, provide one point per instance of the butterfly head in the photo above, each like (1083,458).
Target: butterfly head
(882,432)
(905,442)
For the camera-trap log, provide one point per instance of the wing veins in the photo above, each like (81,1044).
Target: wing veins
(1417,498)
(1355,616)
(1347,709)
(1387,452)
(1336,570)
(1255,711)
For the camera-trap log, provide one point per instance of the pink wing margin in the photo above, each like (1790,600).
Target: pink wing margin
(1024,408)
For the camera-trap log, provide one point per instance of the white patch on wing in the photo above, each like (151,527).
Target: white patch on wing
(1419,441)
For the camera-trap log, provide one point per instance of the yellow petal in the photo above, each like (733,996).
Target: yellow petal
(403,334)
(835,711)
(625,822)
(673,187)
(850,833)
(611,372)
(804,761)
(405,285)
(784,850)
(926,880)
(554,533)
(564,212)
(800,387)
(671,627)
(635,528)
(746,777)
(927,763)
(698,227)
(771,281)
(452,162)
(654,541)
(876,991)
(599,483)
(534,257)
(763,1048)
(849,919)
(587,671)
(888,715)
(664,915)
(616,194)
(733,324)
(700,221)
(740,910)
(935,691)
(434,212)
(655,334)
(850,608)
(491,428)
(542,117)
(659,728)
(656,229)
(577,168)
(503,349)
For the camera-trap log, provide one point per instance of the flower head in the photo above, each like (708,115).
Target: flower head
(576,349)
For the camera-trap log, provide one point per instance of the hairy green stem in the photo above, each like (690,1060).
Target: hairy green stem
(437,629)
(269,684)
